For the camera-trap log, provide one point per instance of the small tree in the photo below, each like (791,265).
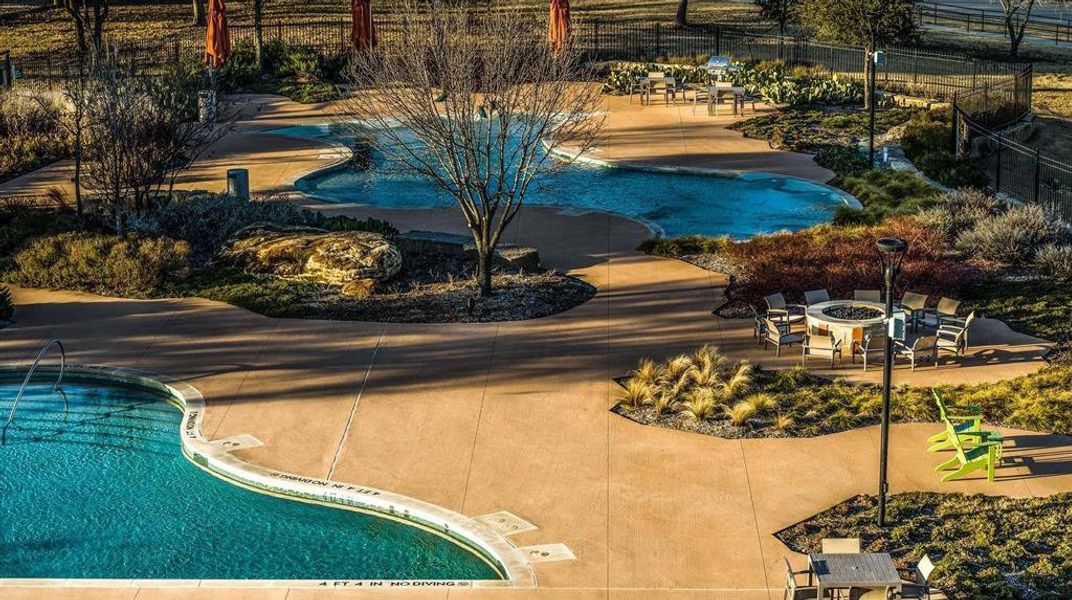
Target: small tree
(258,33)
(1017,14)
(868,23)
(474,102)
(779,11)
(88,17)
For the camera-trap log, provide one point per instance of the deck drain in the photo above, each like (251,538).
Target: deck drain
(237,442)
(506,523)
(546,553)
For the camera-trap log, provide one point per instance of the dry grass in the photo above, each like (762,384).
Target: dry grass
(51,29)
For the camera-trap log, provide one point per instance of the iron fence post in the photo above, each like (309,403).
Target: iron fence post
(1038,172)
(718,40)
(658,40)
(595,41)
(997,167)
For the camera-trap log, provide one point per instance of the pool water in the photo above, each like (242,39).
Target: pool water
(672,204)
(101,490)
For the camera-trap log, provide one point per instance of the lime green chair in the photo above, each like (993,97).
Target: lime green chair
(964,422)
(984,455)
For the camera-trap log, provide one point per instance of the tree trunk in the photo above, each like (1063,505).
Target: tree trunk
(199,12)
(483,271)
(869,64)
(682,18)
(258,35)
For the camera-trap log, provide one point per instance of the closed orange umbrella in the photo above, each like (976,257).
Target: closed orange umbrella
(218,39)
(362,31)
(558,26)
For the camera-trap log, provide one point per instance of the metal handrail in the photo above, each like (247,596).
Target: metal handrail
(33,366)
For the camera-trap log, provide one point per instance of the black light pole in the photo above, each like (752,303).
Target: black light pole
(875,58)
(891,250)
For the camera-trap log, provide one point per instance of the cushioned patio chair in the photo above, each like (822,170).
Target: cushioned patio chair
(925,346)
(841,545)
(913,304)
(778,333)
(816,296)
(779,310)
(919,587)
(867,295)
(984,455)
(868,347)
(946,310)
(954,337)
(794,590)
(820,345)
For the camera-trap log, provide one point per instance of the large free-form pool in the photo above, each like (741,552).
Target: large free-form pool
(673,204)
(97,487)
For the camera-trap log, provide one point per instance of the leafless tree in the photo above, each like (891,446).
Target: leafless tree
(475,102)
(258,33)
(681,19)
(199,12)
(89,17)
(140,133)
(1017,14)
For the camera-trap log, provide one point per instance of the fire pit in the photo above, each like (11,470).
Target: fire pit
(846,320)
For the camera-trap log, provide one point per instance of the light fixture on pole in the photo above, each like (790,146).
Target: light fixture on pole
(891,251)
(878,59)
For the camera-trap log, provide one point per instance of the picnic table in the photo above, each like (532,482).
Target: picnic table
(864,570)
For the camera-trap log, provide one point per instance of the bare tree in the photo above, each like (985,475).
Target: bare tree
(474,102)
(199,12)
(258,33)
(1017,14)
(140,133)
(779,11)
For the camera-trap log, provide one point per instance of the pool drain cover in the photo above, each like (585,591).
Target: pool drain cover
(546,553)
(506,523)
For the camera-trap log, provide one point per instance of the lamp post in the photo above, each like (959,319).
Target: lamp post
(892,251)
(878,59)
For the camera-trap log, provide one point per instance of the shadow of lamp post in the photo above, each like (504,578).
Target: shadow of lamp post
(891,251)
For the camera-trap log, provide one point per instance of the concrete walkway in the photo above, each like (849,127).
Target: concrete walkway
(514,416)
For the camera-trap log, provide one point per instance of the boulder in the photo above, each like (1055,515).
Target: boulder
(514,258)
(335,257)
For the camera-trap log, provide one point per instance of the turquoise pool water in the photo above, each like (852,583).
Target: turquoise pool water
(101,490)
(673,204)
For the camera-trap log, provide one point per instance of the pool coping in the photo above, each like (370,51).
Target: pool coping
(475,536)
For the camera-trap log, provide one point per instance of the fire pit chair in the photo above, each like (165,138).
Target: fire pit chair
(868,346)
(821,345)
(925,346)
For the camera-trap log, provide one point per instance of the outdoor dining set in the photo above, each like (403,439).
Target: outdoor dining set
(657,84)
(858,327)
(842,572)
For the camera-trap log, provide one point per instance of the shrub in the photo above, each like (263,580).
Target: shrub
(961,209)
(884,192)
(1055,261)
(842,160)
(19,225)
(344,223)
(683,246)
(7,303)
(927,142)
(105,264)
(29,136)
(842,259)
(240,69)
(1013,237)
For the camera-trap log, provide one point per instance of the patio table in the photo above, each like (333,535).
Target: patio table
(843,571)
(714,92)
(645,88)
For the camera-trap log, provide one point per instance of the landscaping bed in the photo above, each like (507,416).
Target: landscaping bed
(807,129)
(982,546)
(705,393)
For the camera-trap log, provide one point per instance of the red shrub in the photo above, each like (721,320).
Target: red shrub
(843,259)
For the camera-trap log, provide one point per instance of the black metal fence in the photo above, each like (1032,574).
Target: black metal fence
(992,20)
(1026,174)
(928,74)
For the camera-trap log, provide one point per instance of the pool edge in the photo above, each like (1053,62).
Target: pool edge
(453,526)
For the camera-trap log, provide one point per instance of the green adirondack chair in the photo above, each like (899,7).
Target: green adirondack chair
(984,455)
(962,423)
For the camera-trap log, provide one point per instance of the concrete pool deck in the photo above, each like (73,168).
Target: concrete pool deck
(514,416)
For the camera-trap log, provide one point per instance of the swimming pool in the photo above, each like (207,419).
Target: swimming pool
(671,203)
(94,485)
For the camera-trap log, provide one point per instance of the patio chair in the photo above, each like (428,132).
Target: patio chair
(867,295)
(700,92)
(982,456)
(820,345)
(870,593)
(747,99)
(816,296)
(935,317)
(925,346)
(778,310)
(871,344)
(919,576)
(793,589)
(719,91)
(778,333)
(841,545)
(967,422)
(913,304)
(759,326)
(647,87)
(954,338)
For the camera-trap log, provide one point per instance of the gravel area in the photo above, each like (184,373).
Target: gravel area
(645,415)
